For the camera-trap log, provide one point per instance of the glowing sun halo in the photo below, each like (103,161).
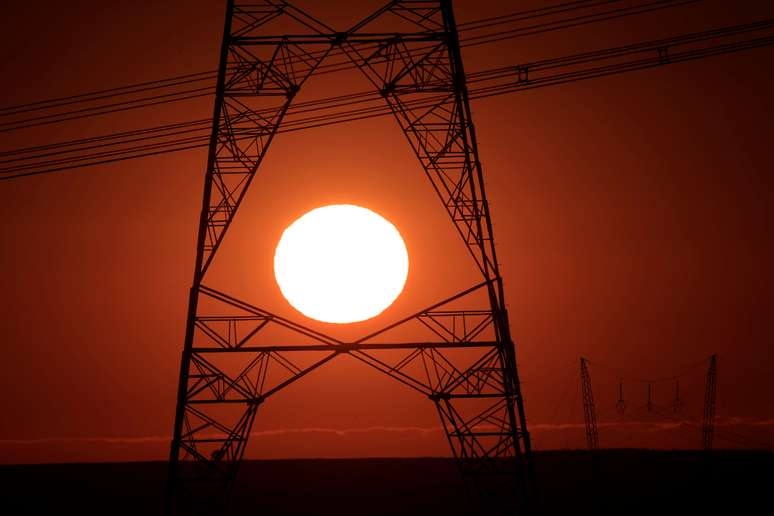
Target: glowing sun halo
(341,264)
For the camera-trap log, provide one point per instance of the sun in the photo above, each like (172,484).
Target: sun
(341,264)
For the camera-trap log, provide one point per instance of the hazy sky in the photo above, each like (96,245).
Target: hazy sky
(632,216)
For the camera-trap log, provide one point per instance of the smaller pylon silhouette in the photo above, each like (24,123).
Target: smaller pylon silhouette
(649,404)
(589,410)
(620,405)
(677,404)
(710,391)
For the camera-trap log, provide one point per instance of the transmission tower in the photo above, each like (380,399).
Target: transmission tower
(708,423)
(410,53)
(649,403)
(589,410)
(677,403)
(620,405)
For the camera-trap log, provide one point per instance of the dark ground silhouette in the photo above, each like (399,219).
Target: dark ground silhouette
(615,482)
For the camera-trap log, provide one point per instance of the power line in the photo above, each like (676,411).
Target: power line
(108,93)
(100,110)
(211,74)
(494,82)
(682,371)
(579,21)
(323,69)
(105,137)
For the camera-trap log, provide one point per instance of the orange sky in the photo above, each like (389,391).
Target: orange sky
(632,216)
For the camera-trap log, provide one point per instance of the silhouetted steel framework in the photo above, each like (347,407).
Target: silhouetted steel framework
(708,423)
(589,410)
(677,403)
(620,405)
(649,403)
(226,376)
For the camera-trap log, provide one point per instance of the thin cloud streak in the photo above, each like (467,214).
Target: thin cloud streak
(342,432)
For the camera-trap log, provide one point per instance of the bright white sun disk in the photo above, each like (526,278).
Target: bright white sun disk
(341,264)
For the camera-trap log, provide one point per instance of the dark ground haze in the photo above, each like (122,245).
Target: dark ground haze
(625,482)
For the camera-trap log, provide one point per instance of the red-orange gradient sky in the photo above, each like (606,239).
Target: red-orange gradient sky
(632,215)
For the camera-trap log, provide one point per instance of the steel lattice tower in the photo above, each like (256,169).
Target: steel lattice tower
(710,393)
(226,375)
(589,409)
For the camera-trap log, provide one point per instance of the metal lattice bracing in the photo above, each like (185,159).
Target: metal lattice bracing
(589,409)
(620,405)
(710,393)
(409,52)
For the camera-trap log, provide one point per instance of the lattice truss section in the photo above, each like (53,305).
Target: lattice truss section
(461,363)
(229,378)
(261,80)
(467,372)
(411,71)
(231,363)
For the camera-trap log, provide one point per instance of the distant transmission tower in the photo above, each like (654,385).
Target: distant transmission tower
(410,53)
(649,403)
(589,410)
(677,403)
(620,405)
(710,391)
